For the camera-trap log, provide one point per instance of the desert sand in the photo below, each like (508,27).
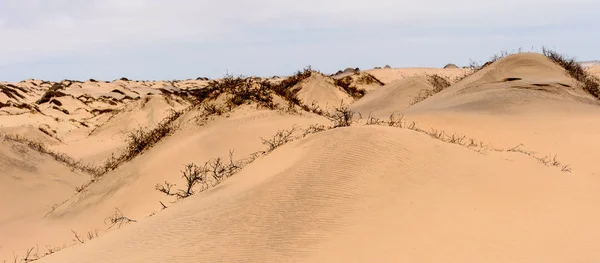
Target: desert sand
(496,166)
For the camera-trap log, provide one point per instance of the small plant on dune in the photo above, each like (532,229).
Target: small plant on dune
(372,120)
(395,120)
(280,138)
(342,116)
(30,255)
(220,170)
(589,83)
(193,175)
(117,219)
(314,108)
(77,238)
(314,128)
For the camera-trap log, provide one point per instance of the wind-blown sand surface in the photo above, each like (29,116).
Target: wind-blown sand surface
(520,186)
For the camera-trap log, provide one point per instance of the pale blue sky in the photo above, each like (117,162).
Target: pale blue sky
(180,39)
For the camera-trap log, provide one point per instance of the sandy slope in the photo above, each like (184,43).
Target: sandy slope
(391,98)
(407,196)
(321,90)
(392,74)
(32,184)
(357,194)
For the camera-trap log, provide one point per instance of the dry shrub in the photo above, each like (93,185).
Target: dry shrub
(246,90)
(314,128)
(117,219)
(142,139)
(438,82)
(280,138)
(342,116)
(214,169)
(367,79)
(346,84)
(589,83)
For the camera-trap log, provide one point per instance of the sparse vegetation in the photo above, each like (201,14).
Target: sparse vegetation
(342,116)
(194,175)
(53,92)
(117,219)
(346,84)
(438,82)
(366,78)
(10,92)
(280,138)
(462,140)
(589,83)
(41,148)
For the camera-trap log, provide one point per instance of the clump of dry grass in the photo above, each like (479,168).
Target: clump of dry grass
(366,78)
(346,84)
(589,83)
(549,160)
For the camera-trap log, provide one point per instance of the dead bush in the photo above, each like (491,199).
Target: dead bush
(342,116)
(280,138)
(193,175)
(372,120)
(117,219)
(438,82)
(312,129)
(589,83)
(216,168)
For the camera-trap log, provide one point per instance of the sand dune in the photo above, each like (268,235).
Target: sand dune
(322,91)
(391,98)
(401,192)
(497,167)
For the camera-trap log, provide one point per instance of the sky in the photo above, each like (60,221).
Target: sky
(183,39)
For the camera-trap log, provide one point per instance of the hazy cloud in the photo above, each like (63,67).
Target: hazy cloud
(63,33)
